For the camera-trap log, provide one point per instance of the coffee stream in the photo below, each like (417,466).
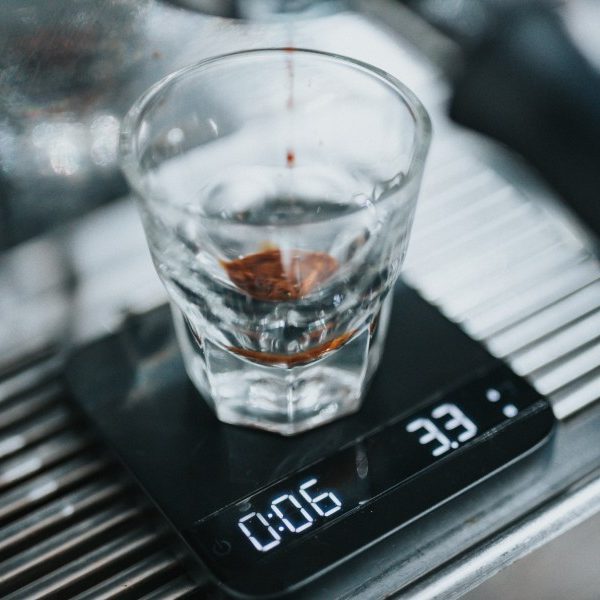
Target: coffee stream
(273,276)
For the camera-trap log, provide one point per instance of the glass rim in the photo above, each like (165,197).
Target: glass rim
(130,165)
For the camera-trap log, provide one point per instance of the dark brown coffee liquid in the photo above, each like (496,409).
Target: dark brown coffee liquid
(274,277)
(270,276)
(292,360)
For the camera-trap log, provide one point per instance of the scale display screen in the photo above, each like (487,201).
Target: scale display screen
(378,483)
(300,506)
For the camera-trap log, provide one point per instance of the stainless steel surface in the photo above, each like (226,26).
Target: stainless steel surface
(539,528)
(73,525)
(490,249)
(511,271)
(541,574)
(156,566)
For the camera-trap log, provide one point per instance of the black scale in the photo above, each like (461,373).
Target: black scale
(267,514)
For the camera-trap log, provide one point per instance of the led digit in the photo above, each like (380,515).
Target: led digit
(432,433)
(458,419)
(255,542)
(314,500)
(290,498)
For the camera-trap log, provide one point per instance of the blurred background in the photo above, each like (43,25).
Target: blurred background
(505,244)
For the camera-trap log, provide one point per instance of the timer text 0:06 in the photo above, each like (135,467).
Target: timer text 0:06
(290,513)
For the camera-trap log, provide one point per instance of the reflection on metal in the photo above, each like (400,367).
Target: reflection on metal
(70,522)
(510,271)
(546,524)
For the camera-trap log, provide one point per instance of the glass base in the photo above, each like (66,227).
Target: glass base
(282,399)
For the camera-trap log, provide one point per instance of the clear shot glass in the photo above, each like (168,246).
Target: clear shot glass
(277,190)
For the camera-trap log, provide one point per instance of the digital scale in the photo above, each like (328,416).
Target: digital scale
(267,515)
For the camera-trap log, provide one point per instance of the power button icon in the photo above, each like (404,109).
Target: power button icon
(221,548)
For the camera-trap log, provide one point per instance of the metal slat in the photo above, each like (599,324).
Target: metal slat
(577,395)
(53,491)
(483,199)
(156,566)
(557,345)
(76,572)
(59,480)
(42,456)
(549,319)
(524,276)
(57,514)
(32,375)
(445,184)
(452,247)
(35,430)
(58,548)
(488,322)
(510,273)
(17,409)
(447,280)
(556,376)
(181,587)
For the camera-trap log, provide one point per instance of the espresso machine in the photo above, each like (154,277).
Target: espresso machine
(477,446)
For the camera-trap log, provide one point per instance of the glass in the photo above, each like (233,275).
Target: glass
(277,189)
